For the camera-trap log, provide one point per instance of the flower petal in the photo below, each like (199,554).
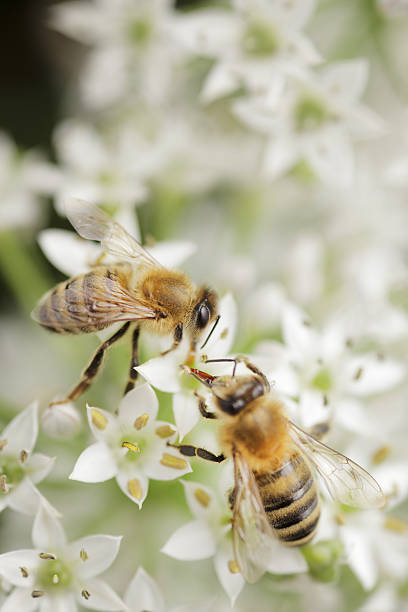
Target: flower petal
(345,81)
(222,339)
(369,375)
(101,422)
(47,533)
(360,556)
(95,464)
(331,156)
(133,484)
(21,433)
(25,498)
(186,414)
(143,593)
(297,333)
(68,252)
(141,400)
(20,599)
(102,597)
(11,562)
(200,499)
(191,542)
(101,551)
(286,560)
(232,583)
(38,466)
(63,602)
(172,253)
(166,464)
(164,372)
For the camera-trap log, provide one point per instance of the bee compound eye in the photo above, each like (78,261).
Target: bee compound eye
(203,316)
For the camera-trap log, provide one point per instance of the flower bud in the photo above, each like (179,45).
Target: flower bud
(61,420)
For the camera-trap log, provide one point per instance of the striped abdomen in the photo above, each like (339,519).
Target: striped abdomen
(291,500)
(82,304)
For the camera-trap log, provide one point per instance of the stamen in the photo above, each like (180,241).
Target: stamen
(224,333)
(340,519)
(23,455)
(141,421)
(131,446)
(135,488)
(202,497)
(48,556)
(173,462)
(358,373)
(233,567)
(55,579)
(3,443)
(164,431)
(36,594)
(381,454)
(83,555)
(98,419)
(85,594)
(3,484)
(24,572)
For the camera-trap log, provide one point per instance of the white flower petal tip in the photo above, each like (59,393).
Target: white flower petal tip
(61,420)
(162,373)
(21,433)
(95,464)
(97,553)
(191,542)
(140,400)
(145,591)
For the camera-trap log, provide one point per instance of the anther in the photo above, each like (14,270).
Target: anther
(85,594)
(173,462)
(55,579)
(358,373)
(233,567)
(36,594)
(131,446)
(83,555)
(202,497)
(48,556)
(3,484)
(141,421)
(164,431)
(98,419)
(24,572)
(135,488)
(3,443)
(23,455)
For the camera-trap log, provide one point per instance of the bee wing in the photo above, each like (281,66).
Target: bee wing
(252,535)
(106,302)
(92,223)
(345,480)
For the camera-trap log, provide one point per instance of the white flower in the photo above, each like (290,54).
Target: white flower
(56,575)
(323,374)
(209,535)
(129,44)
(131,446)
(61,420)
(256,45)
(165,372)
(314,121)
(23,178)
(20,468)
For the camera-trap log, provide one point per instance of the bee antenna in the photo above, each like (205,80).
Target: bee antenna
(211,331)
(221,360)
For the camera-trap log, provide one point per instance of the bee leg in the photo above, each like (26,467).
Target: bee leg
(202,406)
(320,430)
(92,369)
(178,336)
(255,370)
(193,451)
(134,361)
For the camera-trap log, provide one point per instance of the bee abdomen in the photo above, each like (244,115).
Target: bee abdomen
(291,501)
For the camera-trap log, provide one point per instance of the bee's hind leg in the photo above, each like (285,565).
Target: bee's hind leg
(93,367)
(193,451)
(134,361)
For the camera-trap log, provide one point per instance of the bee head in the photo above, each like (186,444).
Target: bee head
(232,393)
(204,311)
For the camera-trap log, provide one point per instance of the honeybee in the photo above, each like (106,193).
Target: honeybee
(276,492)
(135,288)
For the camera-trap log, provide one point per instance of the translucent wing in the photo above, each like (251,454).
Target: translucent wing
(345,480)
(92,223)
(105,301)
(253,537)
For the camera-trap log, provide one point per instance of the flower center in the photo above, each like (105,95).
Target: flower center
(139,31)
(323,380)
(53,574)
(135,446)
(310,113)
(260,39)
(12,470)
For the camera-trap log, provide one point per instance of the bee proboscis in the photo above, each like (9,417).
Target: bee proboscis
(134,289)
(276,493)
